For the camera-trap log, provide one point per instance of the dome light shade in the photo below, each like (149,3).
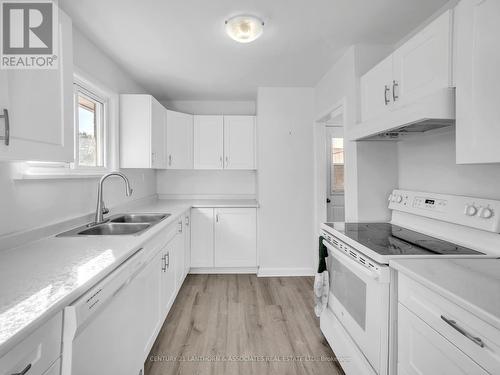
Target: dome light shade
(244,29)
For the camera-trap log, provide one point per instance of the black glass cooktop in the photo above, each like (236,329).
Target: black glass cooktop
(389,239)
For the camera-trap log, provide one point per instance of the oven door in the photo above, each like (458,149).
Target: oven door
(359,298)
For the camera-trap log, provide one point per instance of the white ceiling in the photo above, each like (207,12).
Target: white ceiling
(177,49)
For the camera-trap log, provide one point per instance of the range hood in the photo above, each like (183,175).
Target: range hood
(427,113)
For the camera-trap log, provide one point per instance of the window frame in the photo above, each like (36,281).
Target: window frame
(332,165)
(33,170)
(102,137)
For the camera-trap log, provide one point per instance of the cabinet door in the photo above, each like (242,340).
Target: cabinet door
(158,129)
(179,140)
(178,248)
(40,107)
(168,286)
(208,142)
(423,64)
(151,278)
(187,243)
(239,142)
(423,351)
(376,90)
(235,237)
(478,83)
(202,237)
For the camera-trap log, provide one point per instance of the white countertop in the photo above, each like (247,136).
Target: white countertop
(40,278)
(474,284)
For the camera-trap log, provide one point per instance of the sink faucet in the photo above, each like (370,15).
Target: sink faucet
(101,208)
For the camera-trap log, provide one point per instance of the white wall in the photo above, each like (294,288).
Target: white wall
(206,184)
(370,167)
(427,163)
(212,107)
(286,227)
(30,204)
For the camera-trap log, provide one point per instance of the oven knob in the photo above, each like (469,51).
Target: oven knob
(470,210)
(485,212)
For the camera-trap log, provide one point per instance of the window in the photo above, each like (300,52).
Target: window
(89,129)
(337,165)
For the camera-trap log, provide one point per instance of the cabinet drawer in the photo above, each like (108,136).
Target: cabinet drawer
(449,319)
(39,350)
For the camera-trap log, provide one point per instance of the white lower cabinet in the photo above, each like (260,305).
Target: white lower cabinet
(235,237)
(223,238)
(167,284)
(423,351)
(202,237)
(187,243)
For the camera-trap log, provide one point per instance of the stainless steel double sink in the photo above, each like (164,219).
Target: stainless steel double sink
(118,225)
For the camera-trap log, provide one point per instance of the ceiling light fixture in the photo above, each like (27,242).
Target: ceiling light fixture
(244,29)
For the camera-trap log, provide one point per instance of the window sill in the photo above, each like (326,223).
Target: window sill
(58,176)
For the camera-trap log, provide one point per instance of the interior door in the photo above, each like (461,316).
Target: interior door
(376,90)
(235,237)
(423,64)
(202,237)
(239,142)
(335,201)
(40,107)
(158,129)
(179,140)
(423,351)
(208,142)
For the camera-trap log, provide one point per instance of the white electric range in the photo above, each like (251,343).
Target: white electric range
(358,321)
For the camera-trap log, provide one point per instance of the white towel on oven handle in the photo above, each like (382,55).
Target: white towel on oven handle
(321,290)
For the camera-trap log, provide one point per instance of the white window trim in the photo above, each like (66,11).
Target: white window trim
(54,170)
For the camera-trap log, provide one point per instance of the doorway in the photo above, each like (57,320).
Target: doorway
(330,159)
(335,201)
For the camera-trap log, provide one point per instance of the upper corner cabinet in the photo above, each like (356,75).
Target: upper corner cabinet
(36,107)
(179,140)
(477,60)
(208,142)
(239,142)
(142,132)
(419,67)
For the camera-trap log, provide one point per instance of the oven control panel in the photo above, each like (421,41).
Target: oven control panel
(473,212)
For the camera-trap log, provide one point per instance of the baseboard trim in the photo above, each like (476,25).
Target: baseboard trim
(204,270)
(284,272)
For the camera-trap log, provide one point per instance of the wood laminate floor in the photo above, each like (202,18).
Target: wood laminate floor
(241,324)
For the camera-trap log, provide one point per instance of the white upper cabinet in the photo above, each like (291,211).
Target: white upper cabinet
(179,140)
(418,68)
(208,142)
(39,107)
(235,237)
(376,90)
(239,142)
(478,82)
(142,132)
(423,64)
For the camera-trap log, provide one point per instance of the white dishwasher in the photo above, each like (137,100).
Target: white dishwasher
(102,329)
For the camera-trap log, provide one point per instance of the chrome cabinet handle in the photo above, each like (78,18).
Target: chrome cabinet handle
(168,259)
(227,161)
(164,265)
(180,226)
(386,91)
(216,218)
(24,371)
(455,326)
(395,85)
(6,136)
(187,221)
(170,160)
(221,161)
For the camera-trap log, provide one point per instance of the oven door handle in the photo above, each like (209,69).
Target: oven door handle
(351,262)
